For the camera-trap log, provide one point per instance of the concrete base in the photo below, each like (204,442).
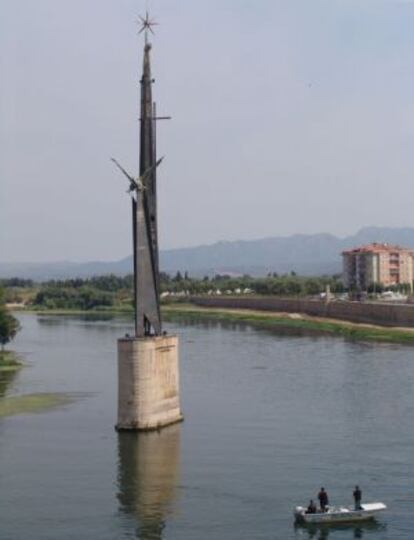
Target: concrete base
(148,383)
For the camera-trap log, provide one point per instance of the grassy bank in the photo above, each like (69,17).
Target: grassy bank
(274,320)
(33,403)
(9,361)
(264,319)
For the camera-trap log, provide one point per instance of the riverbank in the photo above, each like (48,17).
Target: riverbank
(298,321)
(33,403)
(9,361)
(268,319)
(381,314)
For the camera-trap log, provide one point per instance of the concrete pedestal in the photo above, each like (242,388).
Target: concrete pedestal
(148,383)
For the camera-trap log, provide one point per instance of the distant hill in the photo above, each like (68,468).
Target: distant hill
(306,254)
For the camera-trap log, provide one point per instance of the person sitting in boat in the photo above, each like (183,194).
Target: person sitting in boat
(323,499)
(357,498)
(311,508)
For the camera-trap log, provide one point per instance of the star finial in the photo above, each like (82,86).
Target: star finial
(146,24)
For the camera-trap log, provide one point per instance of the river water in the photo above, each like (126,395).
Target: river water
(269,419)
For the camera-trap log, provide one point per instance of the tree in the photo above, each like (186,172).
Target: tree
(9,325)
(178,276)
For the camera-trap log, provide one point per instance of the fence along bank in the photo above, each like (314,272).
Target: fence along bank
(363,312)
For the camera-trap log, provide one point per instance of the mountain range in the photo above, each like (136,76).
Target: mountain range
(306,254)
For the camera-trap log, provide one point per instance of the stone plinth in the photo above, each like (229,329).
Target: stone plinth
(148,383)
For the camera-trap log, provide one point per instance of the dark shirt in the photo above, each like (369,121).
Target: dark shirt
(311,509)
(323,498)
(357,495)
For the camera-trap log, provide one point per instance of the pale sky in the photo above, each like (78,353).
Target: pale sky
(293,116)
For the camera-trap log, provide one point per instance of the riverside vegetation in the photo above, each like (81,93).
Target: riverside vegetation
(10,364)
(9,326)
(113,293)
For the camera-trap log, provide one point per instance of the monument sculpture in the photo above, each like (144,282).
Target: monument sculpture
(148,373)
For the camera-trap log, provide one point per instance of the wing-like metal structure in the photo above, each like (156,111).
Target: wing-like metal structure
(130,178)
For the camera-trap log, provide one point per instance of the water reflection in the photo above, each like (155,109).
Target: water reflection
(99,322)
(147,478)
(183,320)
(272,326)
(57,320)
(323,532)
(263,325)
(6,379)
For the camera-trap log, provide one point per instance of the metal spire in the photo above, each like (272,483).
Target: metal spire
(143,190)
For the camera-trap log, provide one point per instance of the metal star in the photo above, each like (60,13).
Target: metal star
(147,23)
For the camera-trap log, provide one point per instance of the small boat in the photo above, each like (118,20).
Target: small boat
(339,514)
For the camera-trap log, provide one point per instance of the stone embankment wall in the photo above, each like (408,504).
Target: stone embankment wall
(363,312)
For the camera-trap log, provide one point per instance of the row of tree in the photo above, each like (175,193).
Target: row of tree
(109,291)
(273,284)
(81,298)
(109,282)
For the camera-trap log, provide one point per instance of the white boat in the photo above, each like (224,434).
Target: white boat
(339,514)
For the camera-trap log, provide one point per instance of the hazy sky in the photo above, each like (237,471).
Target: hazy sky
(288,116)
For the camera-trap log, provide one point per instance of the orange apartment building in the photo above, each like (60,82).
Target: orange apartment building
(376,263)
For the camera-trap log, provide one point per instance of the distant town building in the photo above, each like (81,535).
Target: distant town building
(376,263)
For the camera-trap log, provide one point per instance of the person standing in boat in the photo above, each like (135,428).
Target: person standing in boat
(323,499)
(357,498)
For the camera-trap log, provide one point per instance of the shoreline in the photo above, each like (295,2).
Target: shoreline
(9,361)
(298,321)
(264,319)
